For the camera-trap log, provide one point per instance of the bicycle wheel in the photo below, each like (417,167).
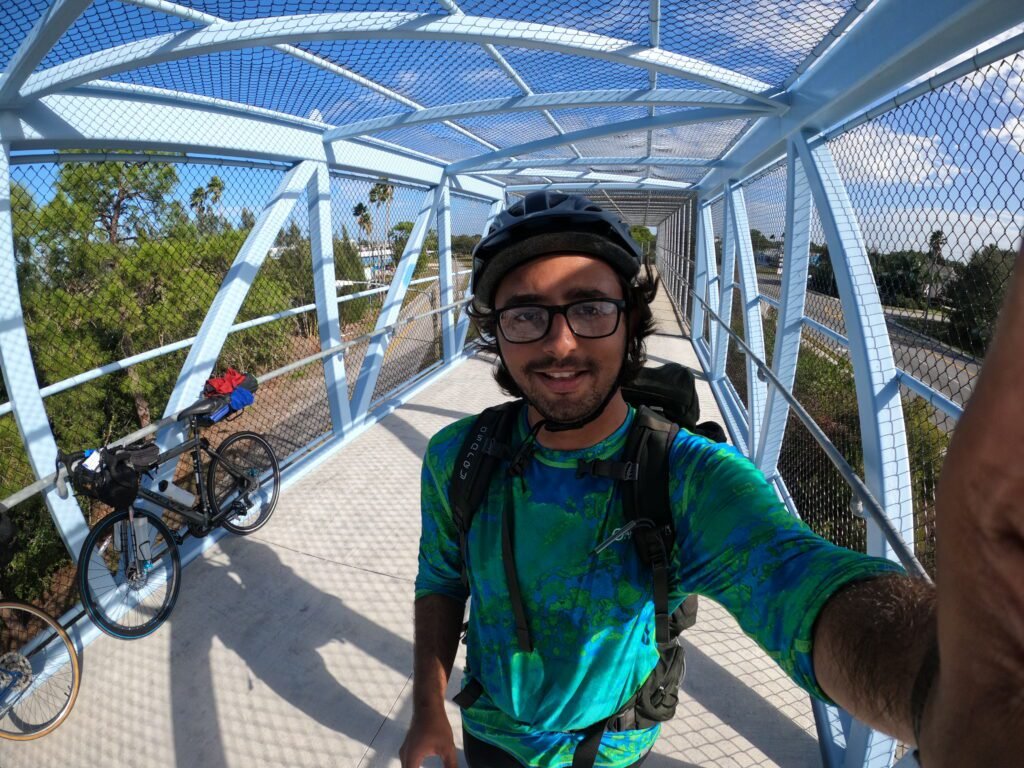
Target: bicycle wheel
(39,672)
(129,575)
(244,481)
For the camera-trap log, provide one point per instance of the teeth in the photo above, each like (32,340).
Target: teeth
(561,375)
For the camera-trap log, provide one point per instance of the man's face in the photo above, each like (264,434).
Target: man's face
(563,376)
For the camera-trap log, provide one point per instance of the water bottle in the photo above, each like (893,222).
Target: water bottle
(176,493)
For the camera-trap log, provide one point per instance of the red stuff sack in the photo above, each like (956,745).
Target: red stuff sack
(223,385)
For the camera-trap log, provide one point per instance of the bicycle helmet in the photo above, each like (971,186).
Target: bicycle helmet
(544,223)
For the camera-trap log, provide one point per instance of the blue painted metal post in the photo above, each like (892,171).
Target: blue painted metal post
(321,240)
(463,326)
(726,279)
(753,331)
(883,435)
(374,360)
(789,322)
(20,376)
(214,330)
(705,274)
(444,259)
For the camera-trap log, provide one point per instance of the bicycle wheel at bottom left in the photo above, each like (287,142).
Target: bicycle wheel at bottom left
(39,672)
(129,575)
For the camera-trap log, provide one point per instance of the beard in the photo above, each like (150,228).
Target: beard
(598,384)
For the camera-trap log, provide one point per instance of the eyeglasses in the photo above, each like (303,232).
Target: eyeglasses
(587,319)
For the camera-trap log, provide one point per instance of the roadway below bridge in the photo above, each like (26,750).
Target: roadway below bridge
(947,370)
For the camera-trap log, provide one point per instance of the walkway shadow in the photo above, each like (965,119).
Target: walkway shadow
(744,710)
(278,624)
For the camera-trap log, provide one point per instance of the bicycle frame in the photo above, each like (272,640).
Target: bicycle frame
(198,445)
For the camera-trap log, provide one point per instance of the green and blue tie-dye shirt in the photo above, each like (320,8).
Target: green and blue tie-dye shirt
(591,617)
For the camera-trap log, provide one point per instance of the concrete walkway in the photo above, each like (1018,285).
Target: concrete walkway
(293,647)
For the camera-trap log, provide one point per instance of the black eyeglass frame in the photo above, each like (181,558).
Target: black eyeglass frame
(563,310)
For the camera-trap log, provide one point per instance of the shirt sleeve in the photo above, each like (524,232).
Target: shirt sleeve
(440,560)
(738,545)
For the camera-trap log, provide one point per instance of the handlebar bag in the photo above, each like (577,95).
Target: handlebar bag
(115,482)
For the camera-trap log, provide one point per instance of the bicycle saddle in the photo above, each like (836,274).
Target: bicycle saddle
(203,407)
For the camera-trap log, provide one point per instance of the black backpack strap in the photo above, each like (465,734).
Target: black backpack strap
(485,446)
(646,500)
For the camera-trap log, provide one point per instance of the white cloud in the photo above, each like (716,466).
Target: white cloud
(905,227)
(1010,133)
(875,153)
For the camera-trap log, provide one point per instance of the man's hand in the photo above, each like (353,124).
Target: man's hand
(975,712)
(429,734)
(438,623)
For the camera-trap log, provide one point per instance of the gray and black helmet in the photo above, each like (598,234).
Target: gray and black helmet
(545,223)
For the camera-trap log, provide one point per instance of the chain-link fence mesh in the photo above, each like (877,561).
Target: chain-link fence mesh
(122,258)
(765,195)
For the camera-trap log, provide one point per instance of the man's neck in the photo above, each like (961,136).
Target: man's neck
(611,419)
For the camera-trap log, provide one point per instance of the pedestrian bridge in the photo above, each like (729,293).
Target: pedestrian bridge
(830,191)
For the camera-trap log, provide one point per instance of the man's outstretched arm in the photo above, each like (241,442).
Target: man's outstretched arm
(438,624)
(875,642)
(870,641)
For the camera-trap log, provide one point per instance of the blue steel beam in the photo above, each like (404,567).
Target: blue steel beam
(205,19)
(705,279)
(883,436)
(593,162)
(228,301)
(883,432)
(789,318)
(47,30)
(445,272)
(727,276)
(318,196)
(509,70)
(563,174)
(464,320)
(895,42)
(384,26)
(672,119)
(579,186)
(20,380)
(675,97)
(148,119)
(753,331)
(374,359)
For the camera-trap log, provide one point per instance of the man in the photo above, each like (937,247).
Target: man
(559,290)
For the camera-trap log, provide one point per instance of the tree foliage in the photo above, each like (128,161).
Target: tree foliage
(974,296)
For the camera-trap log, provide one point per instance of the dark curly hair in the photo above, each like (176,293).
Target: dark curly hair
(639,294)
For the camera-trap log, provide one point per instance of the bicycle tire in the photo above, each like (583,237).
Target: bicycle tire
(114,590)
(253,454)
(31,639)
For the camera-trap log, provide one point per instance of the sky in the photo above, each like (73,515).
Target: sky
(951,160)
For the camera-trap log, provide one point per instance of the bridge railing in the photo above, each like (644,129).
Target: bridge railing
(122,262)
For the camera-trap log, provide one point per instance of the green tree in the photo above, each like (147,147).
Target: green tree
(820,276)
(901,277)
(974,296)
(644,238)
(247,219)
(936,242)
(122,199)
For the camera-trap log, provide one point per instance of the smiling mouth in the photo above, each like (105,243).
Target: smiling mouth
(560,375)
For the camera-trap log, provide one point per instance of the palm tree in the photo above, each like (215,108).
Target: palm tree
(936,241)
(382,193)
(363,219)
(197,201)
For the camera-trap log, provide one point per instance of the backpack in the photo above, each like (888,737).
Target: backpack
(666,400)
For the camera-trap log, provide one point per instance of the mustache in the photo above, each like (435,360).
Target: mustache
(569,363)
